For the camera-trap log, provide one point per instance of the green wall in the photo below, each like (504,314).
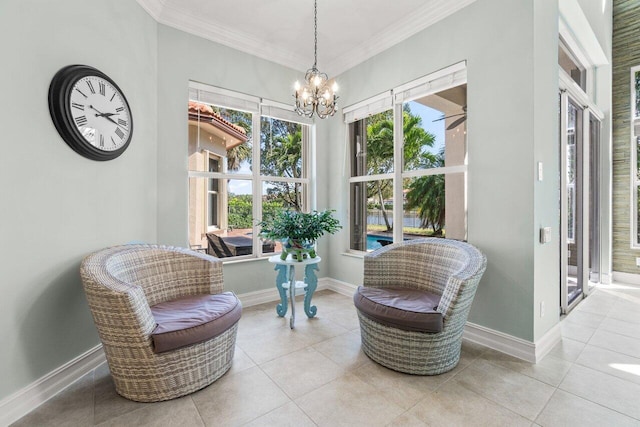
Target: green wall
(512,124)
(57,206)
(183,57)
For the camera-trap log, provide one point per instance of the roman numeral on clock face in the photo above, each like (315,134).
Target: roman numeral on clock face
(101,140)
(119,133)
(81,120)
(91,88)
(77,106)
(122,122)
(102,88)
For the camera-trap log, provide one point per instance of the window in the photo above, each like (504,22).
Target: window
(371,185)
(409,145)
(248,158)
(635,152)
(574,126)
(568,62)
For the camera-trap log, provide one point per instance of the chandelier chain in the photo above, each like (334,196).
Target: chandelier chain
(318,94)
(315,32)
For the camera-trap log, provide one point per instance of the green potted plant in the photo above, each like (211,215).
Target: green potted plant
(298,231)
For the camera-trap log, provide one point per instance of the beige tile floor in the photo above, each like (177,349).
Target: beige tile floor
(316,375)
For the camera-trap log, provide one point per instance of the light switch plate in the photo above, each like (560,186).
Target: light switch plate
(545,234)
(540,168)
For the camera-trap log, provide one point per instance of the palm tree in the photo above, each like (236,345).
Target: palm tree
(281,155)
(380,158)
(237,155)
(380,150)
(242,152)
(427,194)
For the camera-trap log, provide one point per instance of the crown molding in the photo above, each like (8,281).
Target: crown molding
(153,7)
(177,18)
(415,22)
(168,14)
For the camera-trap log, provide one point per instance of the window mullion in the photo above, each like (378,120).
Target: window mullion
(256,182)
(367,178)
(309,159)
(435,171)
(398,200)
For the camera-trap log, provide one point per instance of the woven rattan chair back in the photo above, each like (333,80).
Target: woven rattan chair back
(449,268)
(121,283)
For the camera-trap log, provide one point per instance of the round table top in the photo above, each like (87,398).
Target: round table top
(289,261)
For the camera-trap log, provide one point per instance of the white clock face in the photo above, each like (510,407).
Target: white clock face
(100,113)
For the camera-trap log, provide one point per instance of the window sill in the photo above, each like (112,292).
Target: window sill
(244,260)
(359,255)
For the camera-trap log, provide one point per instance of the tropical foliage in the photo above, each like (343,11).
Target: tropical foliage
(427,194)
(240,153)
(241,210)
(294,225)
(415,155)
(281,155)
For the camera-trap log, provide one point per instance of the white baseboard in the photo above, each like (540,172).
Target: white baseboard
(259,297)
(340,287)
(513,346)
(547,342)
(19,404)
(629,278)
(270,295)
(500,341)
(508,344)
(26,400)
(517,347)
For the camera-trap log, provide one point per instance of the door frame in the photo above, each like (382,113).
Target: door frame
(569,89)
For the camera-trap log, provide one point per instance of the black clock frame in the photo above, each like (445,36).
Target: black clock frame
(60,109)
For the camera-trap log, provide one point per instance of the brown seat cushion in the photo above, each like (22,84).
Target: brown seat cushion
(193,319)
(402,308)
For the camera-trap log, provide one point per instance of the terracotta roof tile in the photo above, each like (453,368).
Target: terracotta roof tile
(205,111)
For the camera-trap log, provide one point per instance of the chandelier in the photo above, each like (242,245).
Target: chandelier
(318,95)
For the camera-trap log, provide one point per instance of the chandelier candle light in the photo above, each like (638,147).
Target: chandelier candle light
(318,95)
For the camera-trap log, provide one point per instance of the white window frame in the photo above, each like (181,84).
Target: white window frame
(211,227)
(259,108)
(435,82)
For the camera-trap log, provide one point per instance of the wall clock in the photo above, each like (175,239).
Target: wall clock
(90,112)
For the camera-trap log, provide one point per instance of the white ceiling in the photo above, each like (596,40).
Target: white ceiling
(349,31)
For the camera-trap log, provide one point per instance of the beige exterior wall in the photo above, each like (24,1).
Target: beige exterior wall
(455,152)
(454,184)
(201,144)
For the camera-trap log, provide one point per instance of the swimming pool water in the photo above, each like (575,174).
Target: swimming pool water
(372,242)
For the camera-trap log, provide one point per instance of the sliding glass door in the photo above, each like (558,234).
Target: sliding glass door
(579,195)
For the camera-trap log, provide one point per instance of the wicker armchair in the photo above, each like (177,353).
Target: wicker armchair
(448,271)
(122,283)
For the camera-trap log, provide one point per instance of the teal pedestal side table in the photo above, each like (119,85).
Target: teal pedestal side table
(286,280)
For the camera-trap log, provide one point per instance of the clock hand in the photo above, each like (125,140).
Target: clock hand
(105,115)
(94,108)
